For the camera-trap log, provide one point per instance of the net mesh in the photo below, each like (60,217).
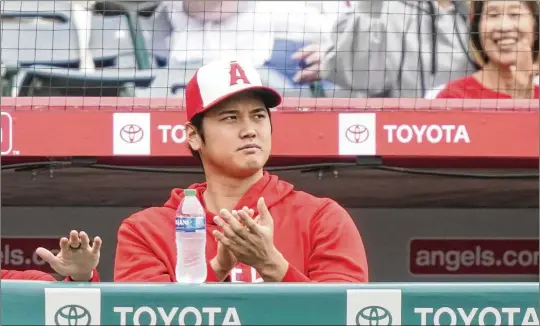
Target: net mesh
(321,54)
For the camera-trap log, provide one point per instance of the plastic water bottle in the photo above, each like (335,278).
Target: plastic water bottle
(190,240)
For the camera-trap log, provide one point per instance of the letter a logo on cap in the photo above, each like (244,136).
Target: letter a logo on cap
(237,73)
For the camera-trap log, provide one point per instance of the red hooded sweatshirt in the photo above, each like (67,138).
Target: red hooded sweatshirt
(32,275)
(469,87)
(315,235)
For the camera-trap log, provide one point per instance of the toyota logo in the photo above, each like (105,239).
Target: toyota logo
(374,316)
(131,133)
(73,315)
(357,134)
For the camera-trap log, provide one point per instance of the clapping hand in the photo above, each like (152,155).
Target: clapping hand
(251,241)
(76,259)
(225,260)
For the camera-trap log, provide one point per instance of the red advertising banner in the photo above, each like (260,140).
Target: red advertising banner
(136,131)
(19,253)
(6,129)
(474,256)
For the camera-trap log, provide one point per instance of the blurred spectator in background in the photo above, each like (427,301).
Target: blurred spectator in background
(505,42)
(271,34)
(77,261)
(399,48)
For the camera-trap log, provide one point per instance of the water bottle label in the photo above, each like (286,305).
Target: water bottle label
(190,224)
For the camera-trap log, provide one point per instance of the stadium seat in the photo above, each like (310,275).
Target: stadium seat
(117,49)
(157,31)
(138,6)
(42,33)
(111,44)
(127,20)
(36,8)
(27,41)
(73,15)
(7,78)
(169,82)
(53,81)
(3,80)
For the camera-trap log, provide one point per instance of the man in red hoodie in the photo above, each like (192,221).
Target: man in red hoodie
(77,261)
(258,227)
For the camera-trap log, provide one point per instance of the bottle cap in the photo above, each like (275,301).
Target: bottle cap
(190,192)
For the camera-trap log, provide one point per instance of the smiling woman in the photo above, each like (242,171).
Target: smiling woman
(505,43)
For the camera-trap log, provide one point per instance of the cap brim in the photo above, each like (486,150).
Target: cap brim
(269,96)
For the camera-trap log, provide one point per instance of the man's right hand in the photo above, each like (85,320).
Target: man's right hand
(225,261)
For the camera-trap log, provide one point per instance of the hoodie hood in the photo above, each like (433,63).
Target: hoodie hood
(269,186)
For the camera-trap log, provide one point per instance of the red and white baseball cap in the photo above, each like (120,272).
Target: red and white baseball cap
(219,80)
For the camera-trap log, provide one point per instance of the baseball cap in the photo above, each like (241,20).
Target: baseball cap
(219,80)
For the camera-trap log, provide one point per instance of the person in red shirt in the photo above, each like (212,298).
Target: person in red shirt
(505,42)
(77,261)
(259,228)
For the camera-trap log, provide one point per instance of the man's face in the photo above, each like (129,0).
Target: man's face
(237,135)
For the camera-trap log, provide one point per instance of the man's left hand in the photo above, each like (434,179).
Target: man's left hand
(252,242)
(77,258)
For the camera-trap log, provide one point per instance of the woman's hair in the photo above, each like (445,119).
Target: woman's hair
(476,49)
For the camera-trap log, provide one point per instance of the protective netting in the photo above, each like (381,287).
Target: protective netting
(304,49)
(91,94)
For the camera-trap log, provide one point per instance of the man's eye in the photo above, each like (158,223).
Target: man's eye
(229,118)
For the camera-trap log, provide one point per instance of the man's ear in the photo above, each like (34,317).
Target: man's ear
(193,138)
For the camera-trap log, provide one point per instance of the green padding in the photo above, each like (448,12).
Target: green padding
(42,303)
